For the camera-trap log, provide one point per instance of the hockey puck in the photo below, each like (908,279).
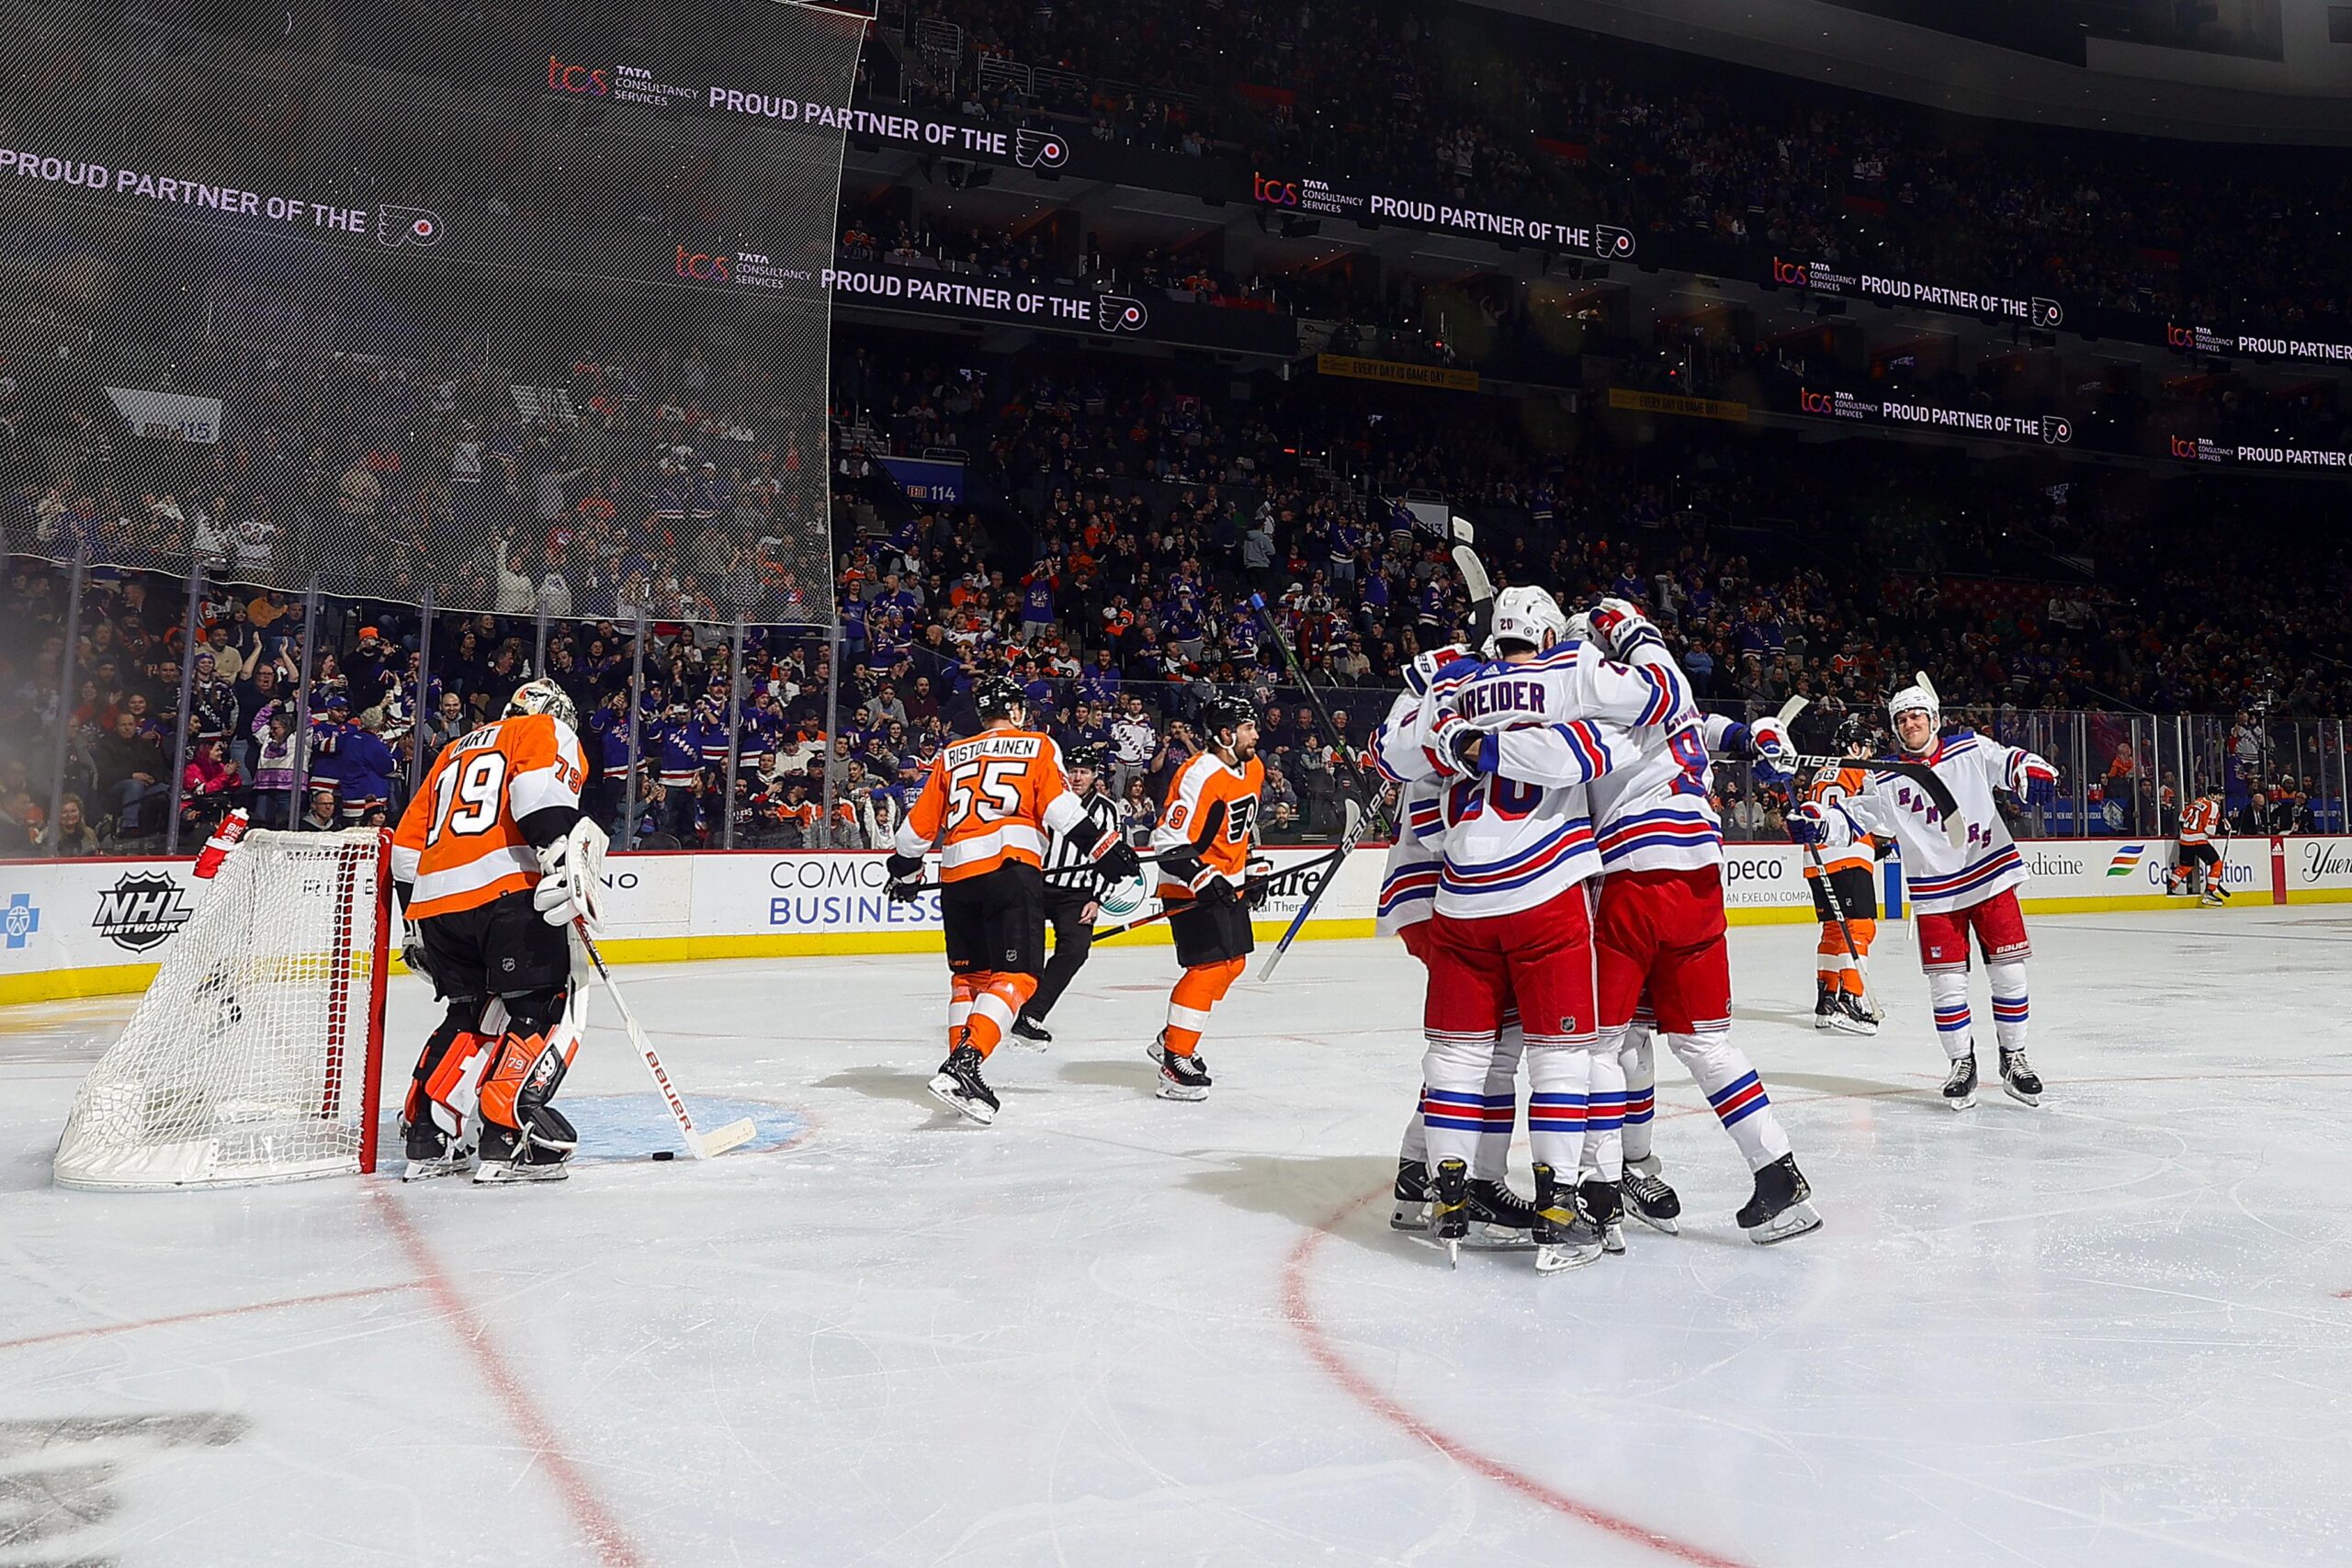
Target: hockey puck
(665,1154)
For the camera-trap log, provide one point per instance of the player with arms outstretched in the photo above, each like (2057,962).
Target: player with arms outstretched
(1661,938)
(492,863)
(1962,874)
(990,802)
(1203,843)
(1842,978)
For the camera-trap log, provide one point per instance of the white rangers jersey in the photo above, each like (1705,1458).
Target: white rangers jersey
(1518,833)
(1409,877)
(1656,811)
(1944,876)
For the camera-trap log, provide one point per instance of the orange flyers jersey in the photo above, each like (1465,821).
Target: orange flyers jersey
(1826,787)
(990,800)
(2196,823)
(1207,797)
(460,842)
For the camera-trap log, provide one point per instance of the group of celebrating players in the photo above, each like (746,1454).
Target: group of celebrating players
(1557,870)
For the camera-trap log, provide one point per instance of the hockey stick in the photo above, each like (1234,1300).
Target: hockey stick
(702,1146)
(1789,711)
(1249,887)
(1474,579)
(1357,822)
(1065,873)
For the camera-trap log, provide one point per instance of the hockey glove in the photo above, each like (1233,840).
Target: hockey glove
(571,876)
(904,871)
(1824,827)
(1474,750)
(2033,780)
(1622,630)
(1423,670)
(1116,859)
(1254,892)
(413,951)
(1771,740)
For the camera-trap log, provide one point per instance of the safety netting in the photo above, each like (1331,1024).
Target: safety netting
(505,303)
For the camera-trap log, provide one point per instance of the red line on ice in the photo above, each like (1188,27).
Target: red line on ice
(1300,1310)
(107,1328)
(614,1548)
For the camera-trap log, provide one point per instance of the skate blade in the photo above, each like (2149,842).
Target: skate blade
(1018,1043)
(1410,1217)
(1184,1092)
(1664,1224)
(1489,1238)
(500,1175)
(425,1170)
(1855,1026)
(971,1110)
(1560,1259)
(2014,1092)
(1965,1102)
(1789,1224)
(1613,1241)
(1823,1021)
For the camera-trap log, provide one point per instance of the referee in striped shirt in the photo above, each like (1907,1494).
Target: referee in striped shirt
(1073,891)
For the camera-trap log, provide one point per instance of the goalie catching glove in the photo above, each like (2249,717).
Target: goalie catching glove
(571,872)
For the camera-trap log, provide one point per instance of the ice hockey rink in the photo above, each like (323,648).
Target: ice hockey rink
(1115,1331)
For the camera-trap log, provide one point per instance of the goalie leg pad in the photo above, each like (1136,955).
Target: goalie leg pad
(542,1035)
(442,1087)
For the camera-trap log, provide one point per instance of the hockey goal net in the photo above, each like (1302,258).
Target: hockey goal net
(254,1055)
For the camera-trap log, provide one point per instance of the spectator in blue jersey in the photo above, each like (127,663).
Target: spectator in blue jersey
(367,767)
(1036,604)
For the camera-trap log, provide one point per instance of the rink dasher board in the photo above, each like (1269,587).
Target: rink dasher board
(100,927)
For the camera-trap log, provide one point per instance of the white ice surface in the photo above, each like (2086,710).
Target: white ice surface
(1115,1331)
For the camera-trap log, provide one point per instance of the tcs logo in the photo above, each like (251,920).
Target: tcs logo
(2184,446)
(581,79)
(705,267)
(1789,274)
(1273,193)
(1809,401)
(2179,337)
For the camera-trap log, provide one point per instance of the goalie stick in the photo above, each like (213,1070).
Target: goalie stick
(702,1146)
(1474,579)
(1789,711)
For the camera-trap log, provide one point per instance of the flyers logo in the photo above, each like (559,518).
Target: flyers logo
(1117,313)
(2047,313)
(397,226)
(1040,150)
(2057,429)
(1610,243)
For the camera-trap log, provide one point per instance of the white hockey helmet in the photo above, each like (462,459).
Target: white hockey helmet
(543,695)
(1918,697)
(1525,614)
(1580,626)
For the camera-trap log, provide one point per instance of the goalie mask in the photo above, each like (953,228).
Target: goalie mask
(543,696)
(1527,615)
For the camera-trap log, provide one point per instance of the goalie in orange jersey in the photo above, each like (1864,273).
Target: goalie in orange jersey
(1852,873)
(990,803)
(1203,842)
(492,861)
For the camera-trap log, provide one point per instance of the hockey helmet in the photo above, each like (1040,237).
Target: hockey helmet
(1857,735)
(1223,713)
(543,696)
(1085,755)
(1918,697)
(996,696)
(1525,614)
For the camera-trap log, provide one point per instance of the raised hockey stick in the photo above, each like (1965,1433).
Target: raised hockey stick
(702,1146)
(1789,711)
(1474,579)
(1358,820)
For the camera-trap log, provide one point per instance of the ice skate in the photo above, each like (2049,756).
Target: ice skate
(1647,1197)
(1825,1003)
(1780,1207)
(2017,1076)
(1959,1086)
(1604,1205)
(433,1153)
(1029,1035)
(1501,1220)
(1564,1238)
(1411,1211)
(2215,896)
(1849,1016)
(958,1085)
(1181,1078)
(1449,1209)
